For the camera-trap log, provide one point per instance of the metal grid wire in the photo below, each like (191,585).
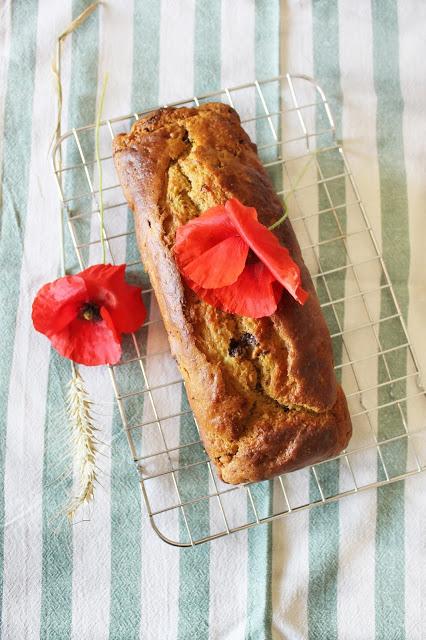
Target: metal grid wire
(186,502)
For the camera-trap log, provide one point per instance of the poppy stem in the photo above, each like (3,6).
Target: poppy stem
(99,165)
(292,190)
(279,221)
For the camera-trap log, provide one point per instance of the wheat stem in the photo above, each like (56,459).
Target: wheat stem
(79,20)
(99,165)
(84,441)
(56,69)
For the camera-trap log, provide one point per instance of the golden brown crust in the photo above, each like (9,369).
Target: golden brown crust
(264,391)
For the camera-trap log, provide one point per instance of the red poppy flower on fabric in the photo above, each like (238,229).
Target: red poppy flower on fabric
(84,315)
(212,253)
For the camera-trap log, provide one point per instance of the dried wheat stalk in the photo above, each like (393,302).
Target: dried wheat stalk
(84,442)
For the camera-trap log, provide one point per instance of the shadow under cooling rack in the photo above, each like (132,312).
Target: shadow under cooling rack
(291,122)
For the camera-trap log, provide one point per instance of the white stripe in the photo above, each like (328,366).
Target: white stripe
(290,561)
(228,572)
(413,86)
(5,28)
(237,26)
(176,73)
(415,563)
(228,556)
(92,540)
(238,62)
(160,563)
(357,516)
(30,365)
(91,531)
(290,536)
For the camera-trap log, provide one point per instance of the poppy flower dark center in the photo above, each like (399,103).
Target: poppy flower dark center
(251,257)
(90,311)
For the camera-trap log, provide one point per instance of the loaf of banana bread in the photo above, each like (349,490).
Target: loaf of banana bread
(264,390)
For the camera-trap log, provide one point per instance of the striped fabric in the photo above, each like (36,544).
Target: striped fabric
(353,569)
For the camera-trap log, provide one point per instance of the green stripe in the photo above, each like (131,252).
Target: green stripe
(259,567)
(259,553)
(146,54)
(390,525)
(55,616)
(56,601)
(324,521)
(126,608)
(194,564)
(13,198)
(207,58)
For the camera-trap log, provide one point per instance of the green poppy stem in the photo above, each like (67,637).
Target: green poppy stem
(292,190)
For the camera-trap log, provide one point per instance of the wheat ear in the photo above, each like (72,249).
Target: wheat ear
(84,443)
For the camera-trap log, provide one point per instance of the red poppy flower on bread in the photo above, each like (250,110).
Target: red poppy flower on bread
(84,315)
(235,263)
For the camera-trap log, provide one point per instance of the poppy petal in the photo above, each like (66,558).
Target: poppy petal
(301,295)
(208,228)
(87,342)
(267,248)
(202,233)
(105,315)
(107,287)
(57,304)
(218,266)
(255,294)
(129,313)
(204,247)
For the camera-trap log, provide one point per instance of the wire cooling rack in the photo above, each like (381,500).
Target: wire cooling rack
(290,119)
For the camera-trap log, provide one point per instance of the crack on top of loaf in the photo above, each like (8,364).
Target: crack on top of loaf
(180,206)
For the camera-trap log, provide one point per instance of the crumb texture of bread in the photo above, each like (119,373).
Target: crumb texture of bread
(264,391)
